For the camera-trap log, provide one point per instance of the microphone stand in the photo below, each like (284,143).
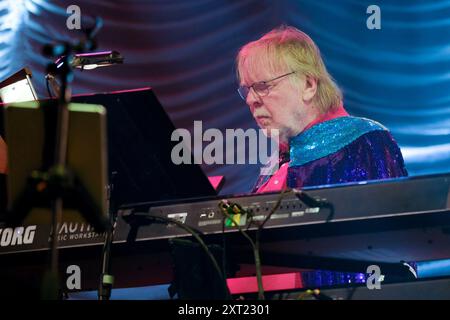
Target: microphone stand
(59,174)
(58,181)
(91,61)
(106,278)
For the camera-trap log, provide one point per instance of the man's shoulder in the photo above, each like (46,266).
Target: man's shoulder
(346,128)
(369,123)
(351,123)
(331,136)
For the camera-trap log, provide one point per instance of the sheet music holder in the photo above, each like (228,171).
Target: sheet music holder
(139,150)
(30,134)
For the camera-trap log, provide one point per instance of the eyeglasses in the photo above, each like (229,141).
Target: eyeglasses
(261,88)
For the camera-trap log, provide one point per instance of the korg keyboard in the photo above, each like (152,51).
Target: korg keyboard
(338,227)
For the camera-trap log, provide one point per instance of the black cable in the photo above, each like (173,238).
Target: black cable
(305,198)
(254,248)
(48,87)
(106,278)
(196,235)
(224,206)
(315,203)
(224,253)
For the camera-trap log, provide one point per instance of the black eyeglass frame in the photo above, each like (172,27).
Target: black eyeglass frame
(245,90)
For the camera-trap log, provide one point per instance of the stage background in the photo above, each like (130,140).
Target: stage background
(398,75)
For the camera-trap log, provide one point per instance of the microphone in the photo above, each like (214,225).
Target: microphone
(96,59)
(92,60)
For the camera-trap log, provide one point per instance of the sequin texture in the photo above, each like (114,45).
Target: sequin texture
(345,149)
(373,155)
(328,137)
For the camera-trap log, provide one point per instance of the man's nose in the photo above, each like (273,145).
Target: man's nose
(253,99)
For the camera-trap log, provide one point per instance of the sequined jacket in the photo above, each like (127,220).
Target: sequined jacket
(344,149)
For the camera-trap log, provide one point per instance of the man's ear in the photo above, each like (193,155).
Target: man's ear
(310,88)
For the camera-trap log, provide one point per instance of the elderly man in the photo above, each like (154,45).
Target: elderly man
(287,87)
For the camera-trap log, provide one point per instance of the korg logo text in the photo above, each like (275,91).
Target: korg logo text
(17,236)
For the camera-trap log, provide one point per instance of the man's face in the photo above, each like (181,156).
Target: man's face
(282,107)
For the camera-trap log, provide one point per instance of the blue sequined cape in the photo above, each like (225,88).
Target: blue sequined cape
(344,149)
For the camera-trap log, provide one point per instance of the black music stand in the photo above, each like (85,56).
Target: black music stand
(139,159)
(139,150)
